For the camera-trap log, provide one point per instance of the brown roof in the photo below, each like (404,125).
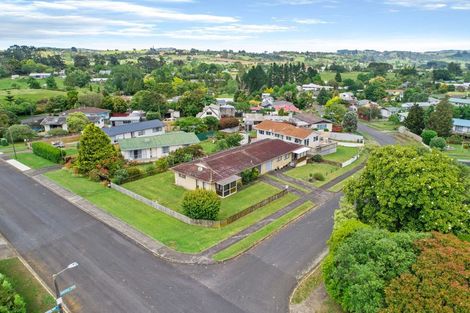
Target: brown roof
(224,164)
(310,118)
(89,110)
(284,129)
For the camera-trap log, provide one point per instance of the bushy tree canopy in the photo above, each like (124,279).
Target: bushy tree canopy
(415,119)
(410,188)
(95,147)
(350,121)
(76,122)
(201,204)
(441,119)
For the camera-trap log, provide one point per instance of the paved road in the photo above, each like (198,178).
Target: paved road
(382,138)
(115,275)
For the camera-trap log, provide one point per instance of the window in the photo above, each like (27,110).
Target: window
(165,150)
(289,138)
(137,154)
(140,133)
(279,158)
(277,135)
(261,132)
(182,176)
(208,113)
(306,142)
(298,140)
(315,138)
(126,122)
(286,157)
(268,133)
(156,129)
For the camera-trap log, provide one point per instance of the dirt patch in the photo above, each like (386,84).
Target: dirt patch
(317,302)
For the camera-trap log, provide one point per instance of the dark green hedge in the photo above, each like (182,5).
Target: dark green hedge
(48,152)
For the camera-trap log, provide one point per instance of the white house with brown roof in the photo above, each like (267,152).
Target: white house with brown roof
(312,121)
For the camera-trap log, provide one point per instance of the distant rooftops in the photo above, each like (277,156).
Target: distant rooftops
(86,110)
(310,118)
(461,122)
(132,127)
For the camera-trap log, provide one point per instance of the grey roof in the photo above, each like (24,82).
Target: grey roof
(132,127)
(459,101)
(54,120)
(311,118)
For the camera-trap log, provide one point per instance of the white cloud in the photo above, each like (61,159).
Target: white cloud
(432,4)
(310,21)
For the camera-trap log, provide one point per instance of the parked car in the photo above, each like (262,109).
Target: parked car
(58,144)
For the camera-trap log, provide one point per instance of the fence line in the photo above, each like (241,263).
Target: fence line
(204,223)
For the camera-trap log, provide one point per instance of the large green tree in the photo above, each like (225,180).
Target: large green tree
(95,147)
(76,122)
(335,112)
(350,121)
(148,100)
(411,188)
(415,119)
(441,119)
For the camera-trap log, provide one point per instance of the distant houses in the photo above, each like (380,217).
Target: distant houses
(118,119)
(312,121)
(461,126)
(217,110)
(40,75)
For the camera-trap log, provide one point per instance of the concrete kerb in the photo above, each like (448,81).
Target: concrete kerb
(35,275)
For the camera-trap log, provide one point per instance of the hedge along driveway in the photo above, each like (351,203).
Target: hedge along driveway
(173,233)
(161,188)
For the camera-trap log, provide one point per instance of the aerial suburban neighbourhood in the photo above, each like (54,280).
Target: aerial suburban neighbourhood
(202,156)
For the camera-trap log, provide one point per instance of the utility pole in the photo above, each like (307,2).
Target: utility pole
(13,143)
(59,294)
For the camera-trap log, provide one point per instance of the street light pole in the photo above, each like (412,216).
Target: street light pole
(13,143)
(58,294)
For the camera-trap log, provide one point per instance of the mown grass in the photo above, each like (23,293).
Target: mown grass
(159,226)
(33,161)
(382,125)
(249,241)
(458,152)
(307,286)
(37,299)
(342,154)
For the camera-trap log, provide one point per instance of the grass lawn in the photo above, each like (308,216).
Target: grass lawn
(339,186)
(329,171)
(458,152)
(405,140)
(32,94)
(383,125)
(37,299)
(33,161)
(162,189)
(9,149)
(172,232)
(247,242)
(327,75)
(208,146)
(288,183)
(307,286)
(342,154)
(71,151)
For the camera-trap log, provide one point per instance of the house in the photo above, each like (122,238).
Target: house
(423,105)
(118,119)
(310,120)
(217,111)
(172,115)
(365,103)
(286,106)
(34,122)
(224,101)
(221,172)
(53,122)
(459,101)
(388,111)
(40,75)
(315,87)
(396,94)
(266,100)
(151,148)
(98,80)
(89,112)
(348,97)
(134,130)
(104,72)
(252,119)
(461,126)
(290,133)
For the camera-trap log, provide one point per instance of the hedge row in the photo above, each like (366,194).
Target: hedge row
(48,152)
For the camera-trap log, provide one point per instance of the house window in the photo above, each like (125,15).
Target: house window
(261,132)
(268,133)
(137,154)
(315,138)
(156,129)
(182,175)
(277,135)
(298,140)
(165,150)
(140,133)
(126,122)
(286,157)
(306,142)
(208,113)
(279,158)
(289,138)
(321,126)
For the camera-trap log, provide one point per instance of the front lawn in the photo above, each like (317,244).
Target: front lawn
(342,154)
(37,299)
(9,149)
(33,161)
(170,231)
(382,125)
(161,188)
(208,146)
(458,152)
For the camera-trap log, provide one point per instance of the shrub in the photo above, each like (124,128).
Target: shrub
(317,158)
(19,133)
(57,132)
(48,152)
(427,135)
(438,143)
(455,139)
(152,116)
(120,176)
(10,301)
(228,122)
(94,175)
(3,142)
(319,176)
(249,175)
(161,164)
(134,172)
(150,169)
(201,204)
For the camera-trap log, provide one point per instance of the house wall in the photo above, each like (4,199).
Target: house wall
(276,163)
(191,183)
(48,127)
(210,112)
(313,139)
(321,126)
(145,133)
(149,154)
(460,129)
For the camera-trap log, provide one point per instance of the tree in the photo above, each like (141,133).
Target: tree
(211,122)
(437,281)
(375,91)
(95,147)
(427,135)
(19,133)
(438,143)
(335,112)
(201,204)
(51,83)
(350,121)
(33,83)
(441,74)
(90,99)
(338,77)
(115,104)
(192,102)
(10,301)
(191,124)
(369,258)
(77,78)
(411,188)
(148,100)
(81,61)
(57,104)
(77,121)
(441,119)
(415,119)
(126,78)
(454,69)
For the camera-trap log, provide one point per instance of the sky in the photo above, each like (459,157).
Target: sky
(251,25)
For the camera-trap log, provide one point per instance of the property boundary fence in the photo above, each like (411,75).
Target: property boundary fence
(204,223)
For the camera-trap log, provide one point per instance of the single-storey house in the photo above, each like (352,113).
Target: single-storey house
(221,172)
(386,112)
(461,126)
(287,132)
(459,101)
(134,130)
(53,122)
(118,119)
(90,111)
(151,148)
(252,119)
(40,75)
(217,111)
(310,120)
(34,122)
(286,106)
(315,87)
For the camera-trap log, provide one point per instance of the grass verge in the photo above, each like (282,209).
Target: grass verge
(339,186)
(33,161)
(287,183)
(159,226)
(249,241)
(307,286)
(37,299)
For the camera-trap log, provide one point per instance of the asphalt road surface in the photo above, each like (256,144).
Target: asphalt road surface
(382,138)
